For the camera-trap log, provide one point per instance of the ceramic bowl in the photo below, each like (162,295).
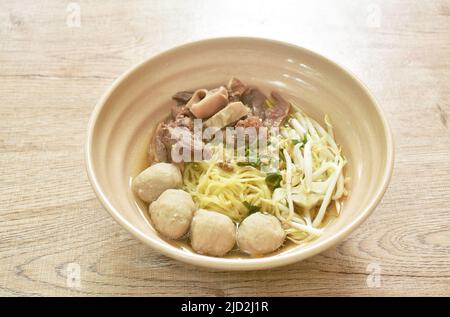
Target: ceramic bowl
(123,120)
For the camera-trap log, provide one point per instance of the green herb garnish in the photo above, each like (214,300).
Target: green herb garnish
(255,164)
(296,141)
(273,180)
(251,208)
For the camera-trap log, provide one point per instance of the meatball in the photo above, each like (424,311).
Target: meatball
(260,234)
(172,213)
(151,182)
(212,233)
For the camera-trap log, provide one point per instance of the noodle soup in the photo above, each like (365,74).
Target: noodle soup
(234,172)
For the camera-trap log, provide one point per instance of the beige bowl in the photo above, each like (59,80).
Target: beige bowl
(123,120)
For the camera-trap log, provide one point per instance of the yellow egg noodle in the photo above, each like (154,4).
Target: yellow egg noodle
(311,183)
(214,188)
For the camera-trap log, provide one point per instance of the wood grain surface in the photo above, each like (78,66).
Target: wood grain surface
(55,237)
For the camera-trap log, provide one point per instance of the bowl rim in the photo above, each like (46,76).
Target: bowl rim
(230,264)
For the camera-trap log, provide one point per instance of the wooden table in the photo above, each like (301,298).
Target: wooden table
(55,237)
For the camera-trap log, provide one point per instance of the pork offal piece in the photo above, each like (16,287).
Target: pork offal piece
(165,137)
(255,99)
(231,113)
(235,89)
(276,114)
(182,97)
(157,150)
(250,122)
(204,103)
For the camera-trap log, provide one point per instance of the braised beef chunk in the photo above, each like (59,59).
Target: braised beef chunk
(157,151)
(163,141)
(276,114)
(166,136)
(236,92)
(182,117)
(160,152)
(184,121)
(255,99)
(250,122)
(235,89)
(182,97)
(177,110)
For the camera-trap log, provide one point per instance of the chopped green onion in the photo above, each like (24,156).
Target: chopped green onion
(273,180)
(251,208)
(255,164)
(305,139)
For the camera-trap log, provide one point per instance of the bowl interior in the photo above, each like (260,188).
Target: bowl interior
(124,120)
